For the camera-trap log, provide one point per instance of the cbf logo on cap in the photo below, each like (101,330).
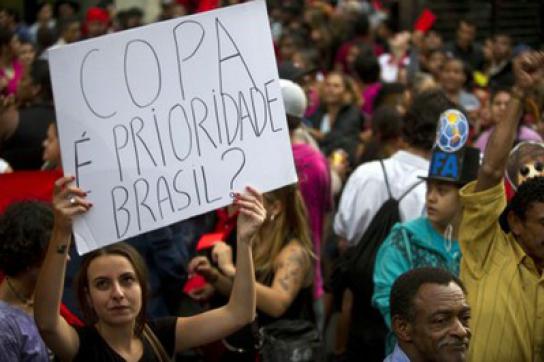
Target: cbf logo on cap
(452,131)
(451,161)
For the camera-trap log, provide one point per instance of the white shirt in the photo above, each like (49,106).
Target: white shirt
(365,192)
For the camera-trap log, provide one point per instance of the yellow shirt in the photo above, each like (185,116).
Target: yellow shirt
(504,287)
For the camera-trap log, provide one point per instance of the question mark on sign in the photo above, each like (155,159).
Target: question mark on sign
(240,168)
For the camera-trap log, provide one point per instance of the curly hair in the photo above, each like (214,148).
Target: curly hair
(529,192)
(422,117)
(25,228)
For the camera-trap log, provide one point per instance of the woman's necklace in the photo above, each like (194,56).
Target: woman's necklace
(28,302)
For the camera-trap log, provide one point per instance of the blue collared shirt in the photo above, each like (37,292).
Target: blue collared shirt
(398,355)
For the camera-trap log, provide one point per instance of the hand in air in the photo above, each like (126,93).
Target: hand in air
(252,214)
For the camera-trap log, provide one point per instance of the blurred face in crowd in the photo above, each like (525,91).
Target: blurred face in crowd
(498,106)
(439,330)
(435,63)
(287,48)
(502,47)
(453,76)
(27,54)
(45,14)
(65,11)
(72,33)
(335,90)
(442,202)
(487,50)
(433,40)
(51,147)
(114,290)
(466,33)
(96,28)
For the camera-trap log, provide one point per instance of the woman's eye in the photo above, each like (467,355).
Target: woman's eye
(128,280)
(101,284)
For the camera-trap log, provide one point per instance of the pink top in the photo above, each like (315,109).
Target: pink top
(13,83)
(524,134)
(315,186)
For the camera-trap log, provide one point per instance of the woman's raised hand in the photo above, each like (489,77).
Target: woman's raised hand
(68,201)
(252,214)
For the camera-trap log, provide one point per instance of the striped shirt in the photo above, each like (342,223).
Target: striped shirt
(505,289)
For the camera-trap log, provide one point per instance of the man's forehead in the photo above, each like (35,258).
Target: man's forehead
(431,296)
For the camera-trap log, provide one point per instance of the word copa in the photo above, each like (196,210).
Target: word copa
(202,123)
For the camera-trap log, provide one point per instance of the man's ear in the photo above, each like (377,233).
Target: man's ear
(402,328)
(514,222)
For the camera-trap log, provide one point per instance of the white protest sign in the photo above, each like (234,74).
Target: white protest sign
(164,122)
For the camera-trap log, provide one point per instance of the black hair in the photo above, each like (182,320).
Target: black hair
(65,23)
(25,228)
(361,25)
(40,76)
(387,123)
(406,287)
(367,68)
(529,192)
(12,13)
(385,93)
(470,21)
(5,36)
(422,117)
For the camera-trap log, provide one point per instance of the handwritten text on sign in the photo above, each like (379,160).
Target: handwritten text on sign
(163,122)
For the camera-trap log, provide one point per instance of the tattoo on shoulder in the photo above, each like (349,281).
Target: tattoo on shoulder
(291,270)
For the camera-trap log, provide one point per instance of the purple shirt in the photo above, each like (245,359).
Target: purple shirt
(19,336)
(315,186)
(524,134)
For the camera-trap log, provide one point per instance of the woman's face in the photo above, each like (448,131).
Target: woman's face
(334,90)
(114,291)
(498,106)
(51,148)
(453,77)
(435,63)
(27,54)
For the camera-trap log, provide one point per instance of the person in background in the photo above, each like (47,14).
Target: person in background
(499,100)
(454,79)
(25,228)
(24,129)
(464,47)
(44,19)
(500,72)
(51,149)
(338,121)
(430,317)
(11,68)
(112,290)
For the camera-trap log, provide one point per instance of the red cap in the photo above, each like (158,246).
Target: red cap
(97,14)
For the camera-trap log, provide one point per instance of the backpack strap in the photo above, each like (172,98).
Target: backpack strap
(386,180)
(155,344)
(410,189)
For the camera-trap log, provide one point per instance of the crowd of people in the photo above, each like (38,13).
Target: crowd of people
(415,231)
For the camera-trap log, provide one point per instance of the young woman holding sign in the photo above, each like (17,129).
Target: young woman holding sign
(112,288)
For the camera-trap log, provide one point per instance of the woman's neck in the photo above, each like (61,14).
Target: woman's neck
(120,338)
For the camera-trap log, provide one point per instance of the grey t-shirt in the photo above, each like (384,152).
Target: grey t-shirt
(19,336)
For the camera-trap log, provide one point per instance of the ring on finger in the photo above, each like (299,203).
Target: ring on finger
(72,201)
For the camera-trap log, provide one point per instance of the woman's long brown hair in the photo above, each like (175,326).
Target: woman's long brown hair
(290,224)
